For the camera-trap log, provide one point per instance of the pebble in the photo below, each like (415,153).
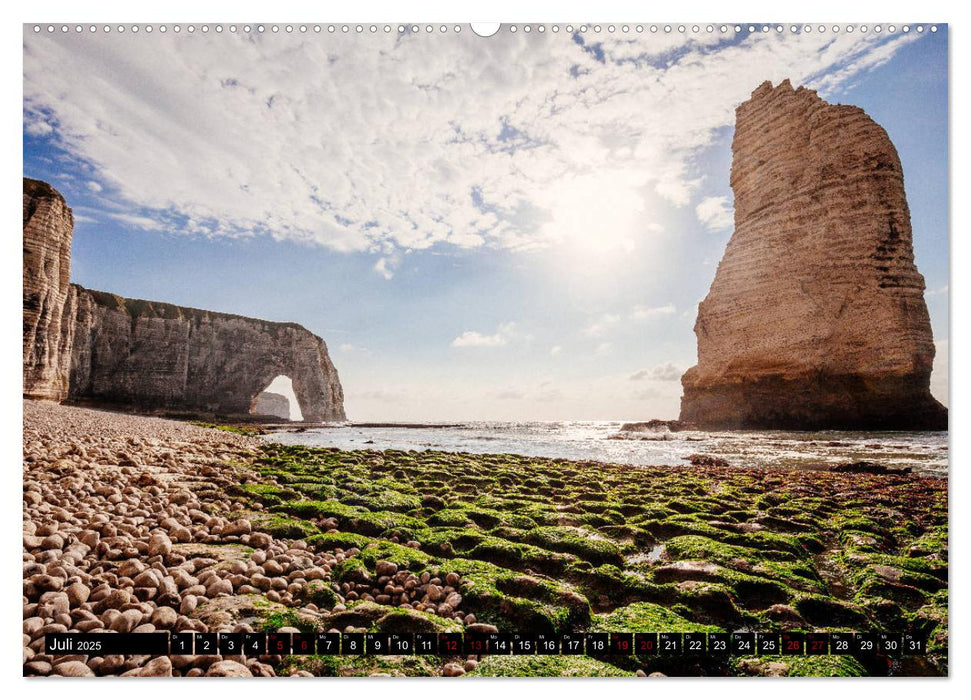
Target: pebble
(77,594)
(72,669)
(164,617)
(37,667)
(228,669)
(272,567)
(260,540)
(159,667)
(452,670)
(159,544)
(386,568)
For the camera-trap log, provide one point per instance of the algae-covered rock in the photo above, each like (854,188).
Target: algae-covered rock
(408,621)
(517,602)
(228,611)
(800,666)
(542,545)
(555,666)
(647,617)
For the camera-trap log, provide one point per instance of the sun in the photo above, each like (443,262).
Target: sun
(598,218)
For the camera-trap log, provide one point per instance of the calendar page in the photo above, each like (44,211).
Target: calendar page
(590,349)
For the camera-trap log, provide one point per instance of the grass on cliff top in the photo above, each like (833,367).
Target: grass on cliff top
(559,545)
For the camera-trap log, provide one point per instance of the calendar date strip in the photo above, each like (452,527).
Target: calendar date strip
(457,644)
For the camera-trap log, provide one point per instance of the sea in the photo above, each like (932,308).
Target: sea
(926,453)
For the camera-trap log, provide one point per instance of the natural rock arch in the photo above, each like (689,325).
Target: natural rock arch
(154,355)
(95,347)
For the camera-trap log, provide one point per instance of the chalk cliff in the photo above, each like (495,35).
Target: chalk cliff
(48,227)
(94,347)
(816,316)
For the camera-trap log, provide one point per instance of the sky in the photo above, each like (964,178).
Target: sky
(505,228)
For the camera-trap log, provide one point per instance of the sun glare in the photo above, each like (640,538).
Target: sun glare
(598,217)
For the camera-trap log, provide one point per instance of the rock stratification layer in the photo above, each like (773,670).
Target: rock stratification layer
(816,316)
(48,227)
(94,347)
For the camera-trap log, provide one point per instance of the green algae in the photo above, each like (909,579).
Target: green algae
(338,540)
(273,621)
(800,666)
(554,545)
(514,601)
(382,550)
(282,526)
(583,543)
(547,666)
(647,617)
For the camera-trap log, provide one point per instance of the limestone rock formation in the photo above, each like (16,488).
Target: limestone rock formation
(816,316)
(99,348)
(151,355)
(270,403)
(48,227)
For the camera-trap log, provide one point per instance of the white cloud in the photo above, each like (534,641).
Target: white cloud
(715,213)
(937,292)
(474,339)
(135,221)
(604,349)
(667,372)
(643,313)
(346,347)
(377,143)
(94,186)
(37,127)
(601,325)
(608,321)
(556,350)
(510,395)
(383,268)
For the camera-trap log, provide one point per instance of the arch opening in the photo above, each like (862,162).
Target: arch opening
(278,399)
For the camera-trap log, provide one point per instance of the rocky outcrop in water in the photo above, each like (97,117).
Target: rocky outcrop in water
(816,316)
(48,227)
(270,403)
(99,348)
